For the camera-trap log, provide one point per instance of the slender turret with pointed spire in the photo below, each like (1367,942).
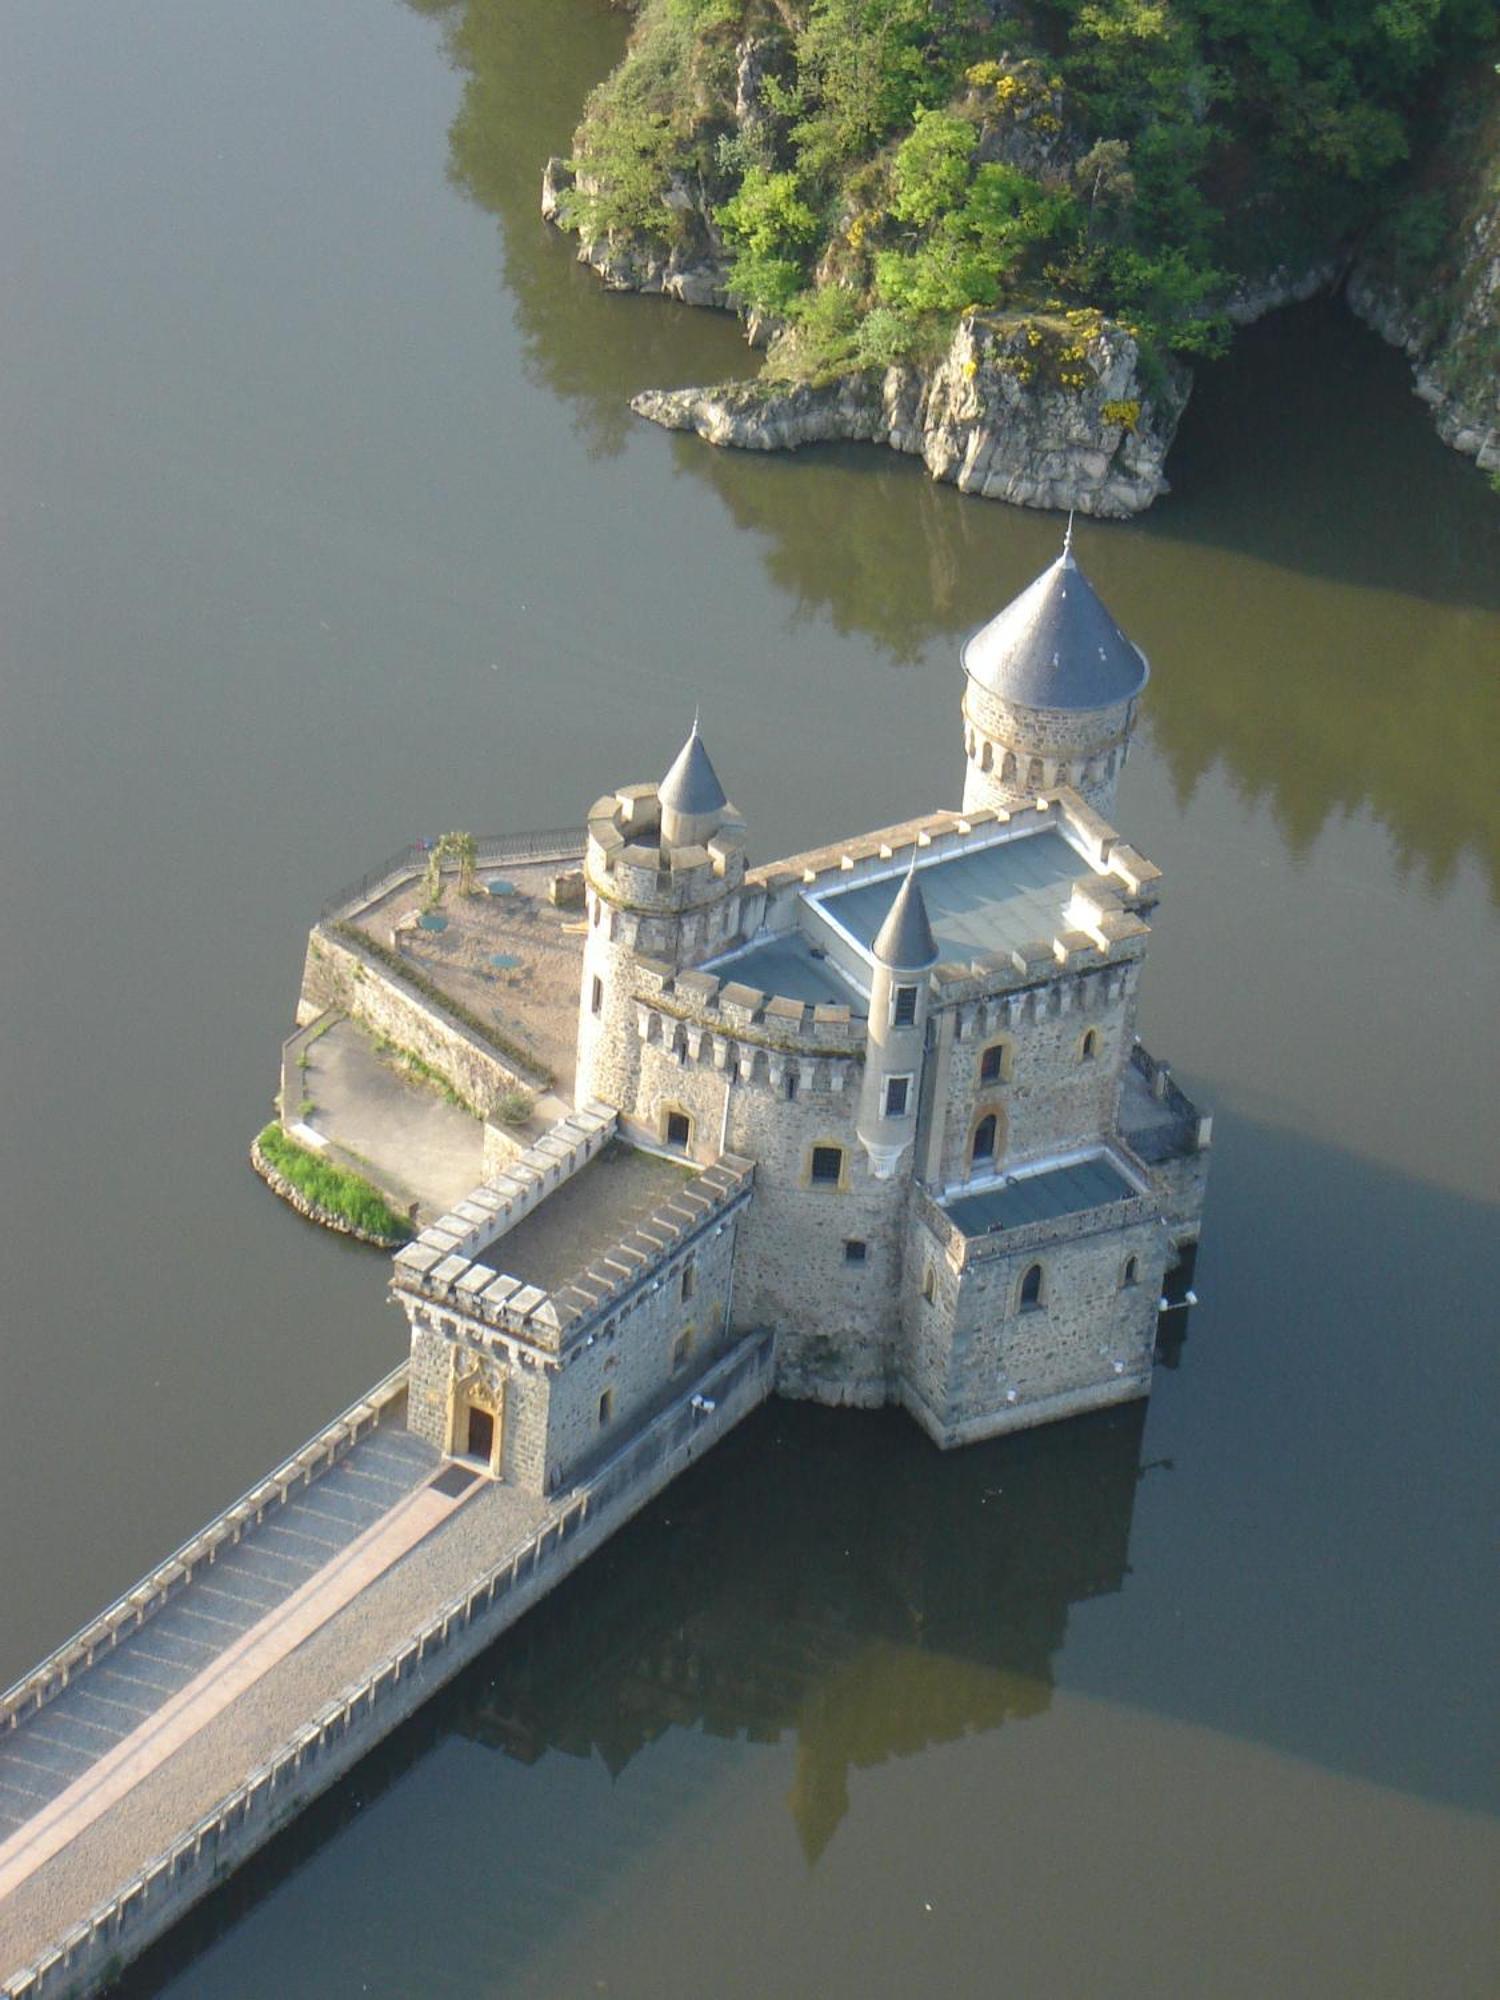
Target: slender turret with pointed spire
(904,951)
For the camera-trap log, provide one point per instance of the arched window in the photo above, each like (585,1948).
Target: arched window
(983,1147)
(987,757)
(1008,766)
(1131,1274)
(1088,1048)
(1031,1289)
(929,1283)
(1034,771)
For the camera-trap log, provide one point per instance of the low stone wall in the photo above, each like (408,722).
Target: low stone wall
(335,1739)
(340,973)
(154,1591)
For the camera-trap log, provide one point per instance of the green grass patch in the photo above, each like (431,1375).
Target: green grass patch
(346,1196)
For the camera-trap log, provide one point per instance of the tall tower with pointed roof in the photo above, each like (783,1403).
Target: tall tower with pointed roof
(1050,691)
(902,955)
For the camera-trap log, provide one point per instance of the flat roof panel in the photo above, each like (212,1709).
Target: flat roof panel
(1041,1197)
(986,899)
(785,965)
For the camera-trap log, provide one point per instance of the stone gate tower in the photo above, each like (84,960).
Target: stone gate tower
(1050,692)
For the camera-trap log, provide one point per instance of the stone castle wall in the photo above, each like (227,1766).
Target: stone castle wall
(1015,753)
(338,974)
(976,1362)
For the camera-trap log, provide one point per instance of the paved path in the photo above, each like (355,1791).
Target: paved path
(419,1146)
(359,1601)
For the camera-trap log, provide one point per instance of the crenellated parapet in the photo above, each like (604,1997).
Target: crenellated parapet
(472,1298)
(632,867)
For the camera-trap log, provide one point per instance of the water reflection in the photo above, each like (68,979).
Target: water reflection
(833,1581)
(1321,583)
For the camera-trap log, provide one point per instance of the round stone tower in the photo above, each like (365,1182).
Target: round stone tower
(904,953)
(662,874)
(1050,694)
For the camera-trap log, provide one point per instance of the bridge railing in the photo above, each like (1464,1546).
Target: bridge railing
(737,1383)
(493,851)
(160,1585)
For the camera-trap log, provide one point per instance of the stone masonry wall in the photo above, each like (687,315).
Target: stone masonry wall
(337,974)
(981,1363)
(1050,747)
(635,1357)
(1049,1097)
(518,1384)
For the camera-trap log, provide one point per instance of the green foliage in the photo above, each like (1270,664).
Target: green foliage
(767,225)
(513,1107)
(913,158)
(345,1196)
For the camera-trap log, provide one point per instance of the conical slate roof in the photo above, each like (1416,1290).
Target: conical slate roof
(1055,646)
(692,785)
(905,939)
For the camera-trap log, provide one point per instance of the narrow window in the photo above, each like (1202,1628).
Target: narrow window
(984,1138)
(904,1007)
(827,1165)
(897,1091)
(1034,771)
(596,997)
(1008,766)
(791,1083)
(1031,1288)
(929,1283)
(1132,1272)
(856,1250)
(1088,1048)
(987,758)
(689,1280)
(992,1064)
(606,1407)
(682,1347)
(679,1128)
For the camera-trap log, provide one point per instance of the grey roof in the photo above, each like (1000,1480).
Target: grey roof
(905,938)
(1042,1197)
(692,785)
(1055,646)
(978,899)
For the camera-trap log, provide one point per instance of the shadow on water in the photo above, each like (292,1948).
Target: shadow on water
(1339,558)
(826,1578)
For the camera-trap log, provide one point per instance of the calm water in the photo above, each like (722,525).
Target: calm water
(325,526)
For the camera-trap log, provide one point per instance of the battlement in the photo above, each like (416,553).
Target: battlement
(711,1017)
(630,866)
(542,1323)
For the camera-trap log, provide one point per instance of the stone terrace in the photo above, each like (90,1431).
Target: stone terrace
(534,1001)
(616,1192)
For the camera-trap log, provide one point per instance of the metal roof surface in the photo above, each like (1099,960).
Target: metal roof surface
(986,899)
(785,966)
(1055,646)
(692,785)
(1040,1197)
(905,938)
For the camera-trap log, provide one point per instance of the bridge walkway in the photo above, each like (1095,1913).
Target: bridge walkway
(110,1700)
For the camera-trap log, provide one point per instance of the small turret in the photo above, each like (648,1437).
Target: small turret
(904,952)
(1050,694)
(693,802)
(663,872)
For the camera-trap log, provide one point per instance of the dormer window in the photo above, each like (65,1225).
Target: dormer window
(904,1007)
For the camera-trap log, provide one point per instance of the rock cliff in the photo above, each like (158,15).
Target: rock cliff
(990,416)
(1043,410)
(1440,300)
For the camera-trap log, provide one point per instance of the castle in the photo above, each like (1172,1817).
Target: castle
(920,1142)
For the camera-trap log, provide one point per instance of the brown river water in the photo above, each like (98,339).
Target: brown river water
(326,526)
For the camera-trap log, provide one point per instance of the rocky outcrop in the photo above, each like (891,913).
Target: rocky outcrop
(694,270)
(1287,285)
(1455,355)
(995,416)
